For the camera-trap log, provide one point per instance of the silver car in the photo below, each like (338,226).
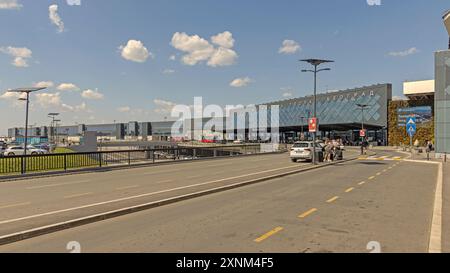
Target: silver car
(19,150)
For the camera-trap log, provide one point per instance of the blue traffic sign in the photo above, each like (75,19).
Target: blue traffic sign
(411,126)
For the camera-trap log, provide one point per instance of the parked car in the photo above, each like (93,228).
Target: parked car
(19,150)
(303,150)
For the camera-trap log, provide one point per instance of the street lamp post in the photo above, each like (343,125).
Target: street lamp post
(27,92)
(56,132)
(303,129)
(315,63)
(362,107)
(52,125)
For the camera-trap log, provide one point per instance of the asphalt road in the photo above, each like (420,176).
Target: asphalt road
(341,208)
(35,203)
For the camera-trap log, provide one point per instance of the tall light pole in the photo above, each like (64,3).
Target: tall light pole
(56,132)
(52,125)
(362,107)
(27,92)
(315,63)
(303,130)
(446,19)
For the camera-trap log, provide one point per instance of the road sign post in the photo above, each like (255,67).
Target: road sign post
(313,128)
(411,129)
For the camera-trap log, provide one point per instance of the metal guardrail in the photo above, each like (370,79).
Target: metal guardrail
(16,165)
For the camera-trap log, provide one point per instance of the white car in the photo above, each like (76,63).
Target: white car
(303,151)
(19,150)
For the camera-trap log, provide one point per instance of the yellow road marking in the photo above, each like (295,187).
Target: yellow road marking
(306,214)
(78,195)
(362,183)
(372,177)
(127,188)
(333,199)
(268,235)
(349,190)
(15,205)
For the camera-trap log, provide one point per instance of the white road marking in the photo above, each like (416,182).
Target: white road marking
(436,227)
(78,195)
(58,185)
(137,196)
(15,205)
(128,187)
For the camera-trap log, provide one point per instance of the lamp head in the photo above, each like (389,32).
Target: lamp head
(446,19)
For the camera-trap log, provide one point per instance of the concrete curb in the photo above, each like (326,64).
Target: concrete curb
(120,167)
(20,236)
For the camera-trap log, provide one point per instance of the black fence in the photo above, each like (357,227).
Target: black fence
(13,165)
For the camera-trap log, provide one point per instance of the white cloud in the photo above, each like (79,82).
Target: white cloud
(124,109)
(92,95)
(289,47)
(223,57)
(168,71)
(12,95)
(224,39)
(55,18)
(20,54)
(46,84)
(241,82)
(46,100)
(10,4)
(199,50)
(172,57)
(67,87)
(404,53)
(164,106)
(77,108)
(135,51)
(287,92)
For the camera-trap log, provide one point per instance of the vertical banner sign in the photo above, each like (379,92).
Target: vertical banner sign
(313,126)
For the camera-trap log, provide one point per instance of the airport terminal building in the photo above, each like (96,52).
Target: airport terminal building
(338,113)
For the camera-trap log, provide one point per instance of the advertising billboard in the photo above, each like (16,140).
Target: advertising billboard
(423,115)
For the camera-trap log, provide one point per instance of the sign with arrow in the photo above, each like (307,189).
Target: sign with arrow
(411,126)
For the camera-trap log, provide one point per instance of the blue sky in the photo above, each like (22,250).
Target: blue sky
(370,44)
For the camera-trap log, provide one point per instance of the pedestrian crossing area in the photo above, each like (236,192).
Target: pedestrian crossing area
(382,158)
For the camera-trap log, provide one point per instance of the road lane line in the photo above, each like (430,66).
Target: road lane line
(435,245)
(333,199)
(165,181)
(78,195)
(349,190)
(195,176)
(378,174)
(15,205)
(372,177)
(127,188)
(362,183)
(268,235)
(308,213)
(58,185)
(138,196)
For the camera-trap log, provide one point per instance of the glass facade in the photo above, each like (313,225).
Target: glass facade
(339,108)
